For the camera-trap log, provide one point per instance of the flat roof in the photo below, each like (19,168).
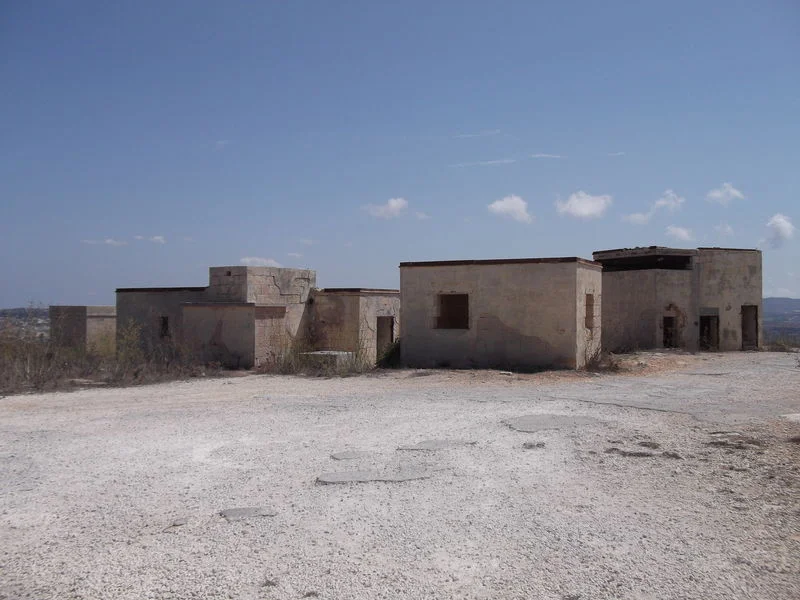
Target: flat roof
(729,249)
(645,251)
(357,291)
(503,261)
(164,289)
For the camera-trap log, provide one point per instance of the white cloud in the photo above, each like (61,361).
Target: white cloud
(724,229)
(781,229)
(513,207)
(105,241)
(478,134)
(257,261)
(188,238)
(669,200)
(724,194)
(638,218)
(294,255)
(307,241)
(221,144)
(679,233)
(348,244)
(542,155)
(616,154)
(422,216)
(156,239)
(584,206)
(393,208)
(486,163)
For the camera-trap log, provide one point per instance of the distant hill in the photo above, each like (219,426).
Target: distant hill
(782,309)
(781,320)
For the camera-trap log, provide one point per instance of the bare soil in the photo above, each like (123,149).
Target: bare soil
(677,478)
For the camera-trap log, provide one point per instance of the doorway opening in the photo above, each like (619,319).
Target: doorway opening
(385,334)
(749,327)
(670,333)
(709,332)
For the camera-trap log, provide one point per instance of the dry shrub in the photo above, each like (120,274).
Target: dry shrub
(293,358)
(602,362)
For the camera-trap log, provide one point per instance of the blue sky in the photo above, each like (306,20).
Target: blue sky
(142,142)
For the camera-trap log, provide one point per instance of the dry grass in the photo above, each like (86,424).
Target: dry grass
(30,363)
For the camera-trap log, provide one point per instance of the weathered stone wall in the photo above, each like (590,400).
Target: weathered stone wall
(90,328)
(223,333)
(101,329)
(272,340)
(68,326)
(636,302)
(333,322)
(372,306)
(346,320)
(589,281)
(144,309)
(520,315)
(728,280)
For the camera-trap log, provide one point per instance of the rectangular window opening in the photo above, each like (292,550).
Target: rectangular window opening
(453,311)
(589,311)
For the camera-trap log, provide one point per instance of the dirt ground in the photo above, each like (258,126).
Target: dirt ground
(675,479)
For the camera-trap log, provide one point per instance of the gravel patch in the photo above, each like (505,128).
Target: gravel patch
(90,479)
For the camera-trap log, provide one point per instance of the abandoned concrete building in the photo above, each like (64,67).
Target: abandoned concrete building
(696,299)
(87,328)
(516,313)
(249,316)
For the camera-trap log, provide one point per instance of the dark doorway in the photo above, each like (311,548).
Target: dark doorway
(385,333)
(709,333)
(749,327)
(670,333)
(164,329)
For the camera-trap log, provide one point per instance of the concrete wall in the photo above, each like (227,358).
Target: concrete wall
(68,326)
(101,329)
(221,333)
(729,279)
(334,322)
(720,283)
(520,315)
(91,328)
(589,280)
(372,306)
(636,302)
(265,286)
(347,320)
(272,340)
(144,308)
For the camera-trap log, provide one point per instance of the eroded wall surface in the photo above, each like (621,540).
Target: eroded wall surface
(728,280)
(520,315)
(370,308)
(333,322)
(588,325)
(141,311)
(636,302)
(221,333)
(68,326)
(101,329)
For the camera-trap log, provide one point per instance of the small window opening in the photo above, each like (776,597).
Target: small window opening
(227,273)
(164,327)
(453,311)
(589,319)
